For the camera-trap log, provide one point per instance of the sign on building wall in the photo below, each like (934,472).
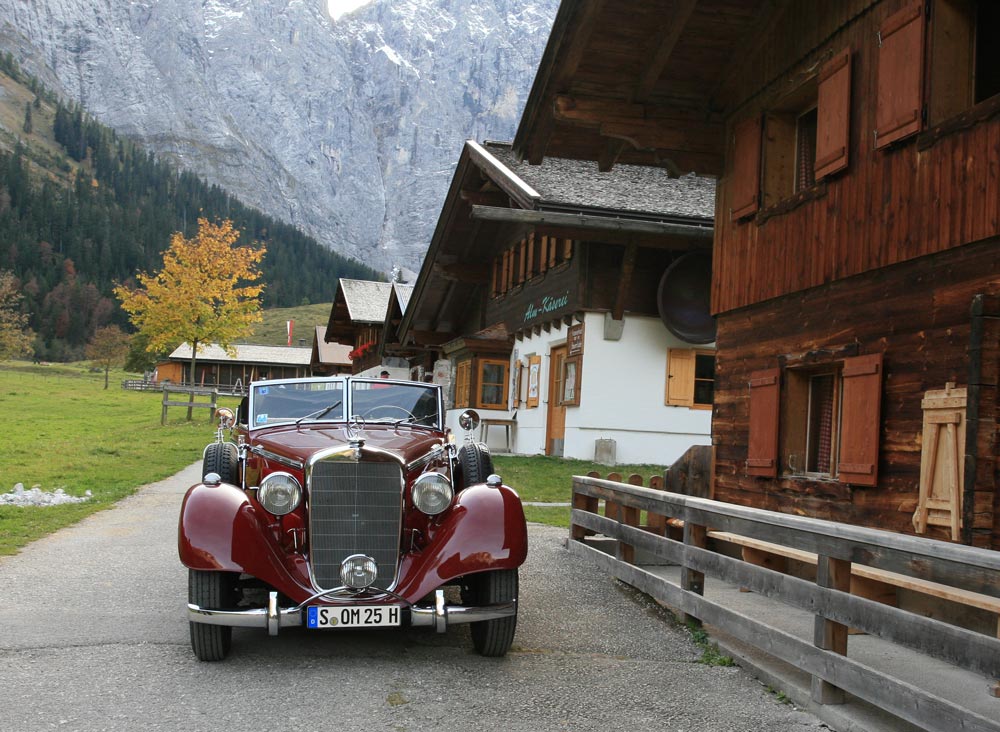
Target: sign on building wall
(574,340)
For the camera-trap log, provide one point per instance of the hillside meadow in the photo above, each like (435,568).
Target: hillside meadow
(64,430)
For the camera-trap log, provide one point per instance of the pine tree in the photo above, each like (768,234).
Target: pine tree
(27,126)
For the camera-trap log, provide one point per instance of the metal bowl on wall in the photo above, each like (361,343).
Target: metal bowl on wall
(684,298)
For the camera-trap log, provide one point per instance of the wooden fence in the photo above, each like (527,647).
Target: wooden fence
(687,531)
(190,403)
(143,385)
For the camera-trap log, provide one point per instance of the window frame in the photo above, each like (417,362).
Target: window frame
(574,364)
(796,417)
(503,385)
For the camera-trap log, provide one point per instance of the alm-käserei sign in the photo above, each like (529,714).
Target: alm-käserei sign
(545,305)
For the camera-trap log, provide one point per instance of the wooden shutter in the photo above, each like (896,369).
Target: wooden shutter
(745,186)
(680,377)
(463,373)
(534,381)
(833,123)
(765,399)
(900,96)
(860,420)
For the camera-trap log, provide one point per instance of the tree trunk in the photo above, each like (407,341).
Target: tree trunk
(106,370)
(194,380)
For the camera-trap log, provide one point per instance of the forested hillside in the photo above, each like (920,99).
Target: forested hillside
(82,208)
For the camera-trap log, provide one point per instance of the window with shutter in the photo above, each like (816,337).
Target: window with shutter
(745,196)
(964,63)
(690,378)
(899,98)
(834,115)
(789,144)
(811,417)
(762,448)
(860,420)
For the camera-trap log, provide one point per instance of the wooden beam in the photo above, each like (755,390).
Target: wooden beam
(675,24)
(562,221)
(753,40)
(464,272)
(609,156)
(705,138)
(564,70)
(485,198)
(624,281)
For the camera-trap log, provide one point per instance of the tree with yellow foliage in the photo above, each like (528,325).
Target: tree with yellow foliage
(15,336)
(207,292)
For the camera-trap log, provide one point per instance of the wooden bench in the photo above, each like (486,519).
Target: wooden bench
(869,582)
(505,423)
(763,553)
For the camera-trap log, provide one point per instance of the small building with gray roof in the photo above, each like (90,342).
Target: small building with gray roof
(544,302)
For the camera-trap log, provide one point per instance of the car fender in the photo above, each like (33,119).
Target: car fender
(484,530)
(220,530)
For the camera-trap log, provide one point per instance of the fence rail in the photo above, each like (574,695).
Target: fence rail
(679,530)
(145,385)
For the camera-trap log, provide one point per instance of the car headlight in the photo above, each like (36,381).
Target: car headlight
(279,493)
(432,493)
(358,571)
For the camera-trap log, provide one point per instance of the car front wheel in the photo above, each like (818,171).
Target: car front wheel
(492,637)
(214,591)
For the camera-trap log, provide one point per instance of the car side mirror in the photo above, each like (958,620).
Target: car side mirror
(468,420)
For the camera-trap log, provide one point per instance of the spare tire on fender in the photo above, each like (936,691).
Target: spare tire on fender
(475,463)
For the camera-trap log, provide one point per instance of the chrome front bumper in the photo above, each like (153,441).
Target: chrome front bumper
(274,618)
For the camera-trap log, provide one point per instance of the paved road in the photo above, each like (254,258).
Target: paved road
(93,637)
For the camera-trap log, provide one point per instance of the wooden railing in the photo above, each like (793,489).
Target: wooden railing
(836,549)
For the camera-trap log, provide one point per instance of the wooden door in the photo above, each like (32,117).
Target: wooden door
(555,431)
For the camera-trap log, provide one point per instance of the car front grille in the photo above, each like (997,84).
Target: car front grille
(354,508)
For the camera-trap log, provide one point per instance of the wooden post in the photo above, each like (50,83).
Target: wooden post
(692,581)
(582,502)
(828,635)
(656,522)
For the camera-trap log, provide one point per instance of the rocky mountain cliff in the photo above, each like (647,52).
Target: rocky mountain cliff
(347,129)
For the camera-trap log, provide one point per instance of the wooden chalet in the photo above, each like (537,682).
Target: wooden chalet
(357,319)
(328,359)
(537,304)
(856,260)
(216,367)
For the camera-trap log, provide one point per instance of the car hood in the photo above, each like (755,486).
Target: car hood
(407,443)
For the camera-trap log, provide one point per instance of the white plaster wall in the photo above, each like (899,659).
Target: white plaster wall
(621,396)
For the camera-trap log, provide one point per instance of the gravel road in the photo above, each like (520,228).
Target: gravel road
(93,636)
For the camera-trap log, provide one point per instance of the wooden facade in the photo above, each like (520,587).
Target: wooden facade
(856,259)
(937,190)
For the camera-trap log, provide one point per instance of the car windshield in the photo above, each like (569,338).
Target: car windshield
(295,400)
(373,400)
(412,402)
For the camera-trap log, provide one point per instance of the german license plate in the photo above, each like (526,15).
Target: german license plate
(354,616)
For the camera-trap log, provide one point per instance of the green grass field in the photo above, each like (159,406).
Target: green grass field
(544,479)
(65,431)
(272,331)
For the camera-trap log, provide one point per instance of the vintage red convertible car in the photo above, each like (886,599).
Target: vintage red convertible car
(345,502)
